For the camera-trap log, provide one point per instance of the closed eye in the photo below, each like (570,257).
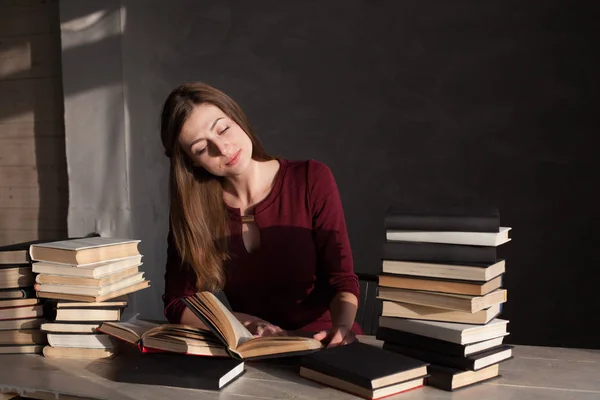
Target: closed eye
(200,151)
(223,131)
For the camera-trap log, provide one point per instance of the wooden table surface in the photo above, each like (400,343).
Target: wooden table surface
(534,373)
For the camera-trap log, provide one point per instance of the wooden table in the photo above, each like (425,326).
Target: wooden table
(534,373)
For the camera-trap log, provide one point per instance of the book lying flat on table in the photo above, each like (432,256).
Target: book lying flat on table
(439,252)
(451,379)
(450,237)
(240,343)
(84,250)
(17,293)
(15,277)
(391,336)
(176,370)
(95,274)
(448,301)
(97,299)
(448,331)
(417,311)
(462,218)
(456,271)
(441,285)
(364,370)
(472,362)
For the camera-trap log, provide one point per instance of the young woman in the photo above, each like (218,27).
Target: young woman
(268,232)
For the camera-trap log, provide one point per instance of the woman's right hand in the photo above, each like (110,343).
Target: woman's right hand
(259,327)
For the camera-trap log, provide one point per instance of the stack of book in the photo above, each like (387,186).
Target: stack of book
(20,311)
(441,292)
(81,276)
(73,332)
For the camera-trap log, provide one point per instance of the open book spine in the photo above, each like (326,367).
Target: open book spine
(209,325)
(149,350)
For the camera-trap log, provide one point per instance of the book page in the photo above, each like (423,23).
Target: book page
(137,326)
(242,335)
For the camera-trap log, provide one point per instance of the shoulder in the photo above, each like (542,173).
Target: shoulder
(306,170)
(315,176)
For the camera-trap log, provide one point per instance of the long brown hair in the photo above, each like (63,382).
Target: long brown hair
(198,214)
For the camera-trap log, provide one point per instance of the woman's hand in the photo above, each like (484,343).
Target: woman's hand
(259,327)
(337,336)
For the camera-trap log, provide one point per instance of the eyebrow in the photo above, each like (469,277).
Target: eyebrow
(212,126)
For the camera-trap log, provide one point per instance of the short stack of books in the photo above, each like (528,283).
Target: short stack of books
(441,292)
(20,311)
(85,282)
(73,331)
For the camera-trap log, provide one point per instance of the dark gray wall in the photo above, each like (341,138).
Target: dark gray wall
(406,101)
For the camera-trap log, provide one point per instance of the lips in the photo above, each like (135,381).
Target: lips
(234,159)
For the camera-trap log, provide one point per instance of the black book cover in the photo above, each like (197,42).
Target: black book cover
(442,377)
(408,339)
(359,363)
(464,363)
(25,292)
(438,252)
(443,218)
(177,370)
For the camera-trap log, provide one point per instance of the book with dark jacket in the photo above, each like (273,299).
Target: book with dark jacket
(461,218)
(408,339)
(364,370)
(448,331)
(439,252)
(472,362)
(451,379)
(168,369)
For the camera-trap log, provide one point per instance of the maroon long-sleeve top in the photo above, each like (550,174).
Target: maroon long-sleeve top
(303,261)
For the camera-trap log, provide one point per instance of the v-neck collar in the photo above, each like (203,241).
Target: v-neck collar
(235,212)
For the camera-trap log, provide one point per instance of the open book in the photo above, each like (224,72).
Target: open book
(240,343)
(151,337)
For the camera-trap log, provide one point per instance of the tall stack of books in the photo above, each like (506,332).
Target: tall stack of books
(441,292)
(87,281)
(20,310)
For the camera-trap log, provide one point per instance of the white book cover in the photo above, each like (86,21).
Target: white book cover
(91,341)
(123,260)
(84,243)
(91,290)
(447,237)
(449,331)
(97,270)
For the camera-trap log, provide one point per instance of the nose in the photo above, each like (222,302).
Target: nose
(220,145)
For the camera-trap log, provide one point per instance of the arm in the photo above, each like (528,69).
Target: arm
(336,265)
(343,309)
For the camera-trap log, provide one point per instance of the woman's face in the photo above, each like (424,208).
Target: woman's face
(215,142)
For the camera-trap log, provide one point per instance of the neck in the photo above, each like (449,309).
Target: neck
(249,187)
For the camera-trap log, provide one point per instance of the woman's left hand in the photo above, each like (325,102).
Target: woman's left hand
(337,336)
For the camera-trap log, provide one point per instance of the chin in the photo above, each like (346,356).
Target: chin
(240,167)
